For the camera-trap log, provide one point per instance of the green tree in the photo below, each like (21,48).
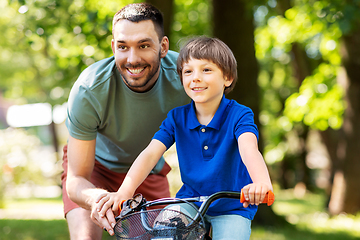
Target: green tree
(314,44)
(48,43)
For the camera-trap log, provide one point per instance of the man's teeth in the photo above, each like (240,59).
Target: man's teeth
(135,70)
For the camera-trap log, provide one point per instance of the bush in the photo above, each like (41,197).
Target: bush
(22,162)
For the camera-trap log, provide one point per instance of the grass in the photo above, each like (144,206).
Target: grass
(33,229)
(307,217)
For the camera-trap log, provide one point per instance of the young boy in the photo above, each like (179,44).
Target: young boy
(216,142)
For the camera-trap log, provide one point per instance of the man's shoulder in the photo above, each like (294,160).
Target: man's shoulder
(169,61)
(97,73)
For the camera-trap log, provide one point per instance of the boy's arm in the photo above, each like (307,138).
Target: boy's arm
(142,167)
(255,164)
(137,173)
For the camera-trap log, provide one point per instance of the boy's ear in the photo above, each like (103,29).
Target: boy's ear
(228,81)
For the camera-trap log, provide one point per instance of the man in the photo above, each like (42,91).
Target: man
(114,108)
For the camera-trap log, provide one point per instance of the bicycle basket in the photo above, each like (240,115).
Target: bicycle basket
(159,224)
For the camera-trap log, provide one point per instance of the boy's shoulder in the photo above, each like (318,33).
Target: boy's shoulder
(181,109)
(235,106)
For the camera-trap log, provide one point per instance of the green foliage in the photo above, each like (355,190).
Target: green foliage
(48,43)
(319,100)
(192,17)
(298,50)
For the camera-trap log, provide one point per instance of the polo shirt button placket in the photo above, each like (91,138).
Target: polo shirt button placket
(205,147)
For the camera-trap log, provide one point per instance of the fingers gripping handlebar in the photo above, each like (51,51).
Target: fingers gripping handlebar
(269,198)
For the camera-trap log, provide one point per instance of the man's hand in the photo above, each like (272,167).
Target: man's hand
(102,213)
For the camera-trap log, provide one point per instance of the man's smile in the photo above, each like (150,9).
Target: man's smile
(135,70)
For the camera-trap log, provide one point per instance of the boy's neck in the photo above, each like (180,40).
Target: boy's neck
(205,112)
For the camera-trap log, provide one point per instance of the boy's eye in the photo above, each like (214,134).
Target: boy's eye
(187,71)
(207,70)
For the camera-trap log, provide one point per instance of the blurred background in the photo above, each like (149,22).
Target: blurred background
(298,68)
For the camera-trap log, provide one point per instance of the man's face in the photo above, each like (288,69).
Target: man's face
(137,52)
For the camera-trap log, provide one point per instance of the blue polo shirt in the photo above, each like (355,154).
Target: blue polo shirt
(209,157)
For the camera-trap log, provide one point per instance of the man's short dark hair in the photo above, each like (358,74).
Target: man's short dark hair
(137,12)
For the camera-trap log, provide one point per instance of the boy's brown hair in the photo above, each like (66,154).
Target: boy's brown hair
(211,49)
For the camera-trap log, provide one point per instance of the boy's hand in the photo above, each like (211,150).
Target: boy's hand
(104,210)
(255,193)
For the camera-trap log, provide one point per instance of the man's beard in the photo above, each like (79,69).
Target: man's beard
(149,77)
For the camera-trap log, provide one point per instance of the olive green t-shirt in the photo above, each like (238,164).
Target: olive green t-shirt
(123,122)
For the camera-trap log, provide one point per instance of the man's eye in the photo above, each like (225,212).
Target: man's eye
(122,47)
(144,46)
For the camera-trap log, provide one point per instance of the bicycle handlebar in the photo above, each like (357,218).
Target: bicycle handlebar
(207,200)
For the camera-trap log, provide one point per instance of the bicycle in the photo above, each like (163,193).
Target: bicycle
(138,222)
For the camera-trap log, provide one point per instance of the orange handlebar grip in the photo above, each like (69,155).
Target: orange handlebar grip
(242,197)
(269,198)
(120,204)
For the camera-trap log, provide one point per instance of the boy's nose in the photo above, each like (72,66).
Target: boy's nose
(197,77)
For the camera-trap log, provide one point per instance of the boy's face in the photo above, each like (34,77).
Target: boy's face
(204,81)
(137,52)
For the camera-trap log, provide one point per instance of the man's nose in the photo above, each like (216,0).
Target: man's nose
(133,57)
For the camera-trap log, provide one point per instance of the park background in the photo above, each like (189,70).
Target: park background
(298,68)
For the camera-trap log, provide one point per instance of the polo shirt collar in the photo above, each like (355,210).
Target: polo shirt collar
(217,120)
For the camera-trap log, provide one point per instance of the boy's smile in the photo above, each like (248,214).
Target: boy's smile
(204,81)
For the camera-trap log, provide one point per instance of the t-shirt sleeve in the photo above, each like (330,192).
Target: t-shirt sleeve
(246,123)
(166,134)
(82,115)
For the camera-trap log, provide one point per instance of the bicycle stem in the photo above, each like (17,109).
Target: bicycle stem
(205,206)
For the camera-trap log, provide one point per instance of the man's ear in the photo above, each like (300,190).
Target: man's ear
(164,45)
(113,46)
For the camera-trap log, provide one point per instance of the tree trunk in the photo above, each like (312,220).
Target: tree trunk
(349,142)
(233,24)
(167,8)
(54,137)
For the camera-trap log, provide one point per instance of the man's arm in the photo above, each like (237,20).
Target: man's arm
(81,160)
(81,157)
